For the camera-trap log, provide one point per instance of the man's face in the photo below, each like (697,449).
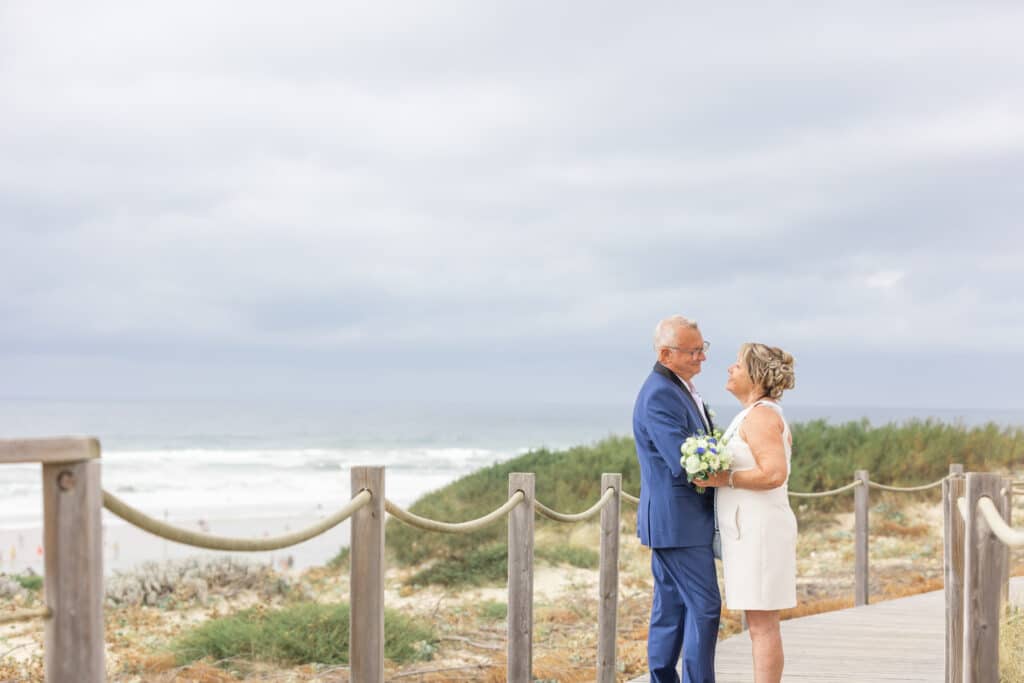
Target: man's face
(687,354)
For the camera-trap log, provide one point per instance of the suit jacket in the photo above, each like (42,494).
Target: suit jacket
(671,513)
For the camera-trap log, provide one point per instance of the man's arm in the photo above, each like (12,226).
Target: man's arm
(667,424)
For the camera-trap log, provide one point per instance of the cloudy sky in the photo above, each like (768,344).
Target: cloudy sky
(473,200)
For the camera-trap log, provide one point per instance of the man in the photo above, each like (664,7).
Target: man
(674,520)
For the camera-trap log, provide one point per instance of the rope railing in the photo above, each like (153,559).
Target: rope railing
(212,542)
(821,494)
(842,489)
(426,524)
(574,517)
(906,489)
(1009,535)
(76,483)
(25,615)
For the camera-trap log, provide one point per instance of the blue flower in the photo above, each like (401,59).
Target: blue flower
(715,451)
(700,450)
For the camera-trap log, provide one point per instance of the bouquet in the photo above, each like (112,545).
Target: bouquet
(704,455)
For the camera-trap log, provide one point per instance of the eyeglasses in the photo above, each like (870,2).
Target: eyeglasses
(693,353)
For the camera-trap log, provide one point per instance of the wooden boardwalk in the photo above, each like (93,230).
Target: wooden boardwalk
(895,640)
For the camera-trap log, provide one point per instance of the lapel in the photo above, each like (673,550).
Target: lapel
(702,409)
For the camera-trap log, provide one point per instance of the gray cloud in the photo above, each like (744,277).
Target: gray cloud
(196,198)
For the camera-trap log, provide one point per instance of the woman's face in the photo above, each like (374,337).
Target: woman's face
(739,382)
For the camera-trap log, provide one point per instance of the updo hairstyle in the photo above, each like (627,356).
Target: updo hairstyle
(769,367)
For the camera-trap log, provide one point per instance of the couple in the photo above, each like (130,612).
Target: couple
(756,524)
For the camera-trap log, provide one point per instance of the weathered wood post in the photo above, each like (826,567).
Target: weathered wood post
(1005,506)
(608,591)
(520,581)
(953,572)
(982,574)
(860,539)
(73,561)
(366,583)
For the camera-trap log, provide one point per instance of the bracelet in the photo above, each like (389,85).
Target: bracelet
(731,485)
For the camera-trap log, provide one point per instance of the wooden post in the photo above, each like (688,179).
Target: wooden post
(608,591)
(366,584)
(982,574)
(73,551)
(953,572)
(1004,503)
(520,581)
(860,539)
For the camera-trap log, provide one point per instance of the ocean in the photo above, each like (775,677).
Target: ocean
(262,467)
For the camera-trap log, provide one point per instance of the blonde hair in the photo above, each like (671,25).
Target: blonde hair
(769,367)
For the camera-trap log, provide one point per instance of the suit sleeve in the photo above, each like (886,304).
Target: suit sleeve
(668,426)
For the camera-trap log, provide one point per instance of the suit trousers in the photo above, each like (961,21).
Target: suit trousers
(684,615)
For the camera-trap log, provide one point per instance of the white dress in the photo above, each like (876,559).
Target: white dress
(758,531)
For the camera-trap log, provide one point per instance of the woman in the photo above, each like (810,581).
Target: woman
(758,529)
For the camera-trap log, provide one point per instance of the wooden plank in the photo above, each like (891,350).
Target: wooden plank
(520,581)
(953,568)
(63,449)
(366,584)
(73,561)
(608,580)
(982,576)
(895,640)
(860,539)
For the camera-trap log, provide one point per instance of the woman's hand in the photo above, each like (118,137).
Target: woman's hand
(717,479)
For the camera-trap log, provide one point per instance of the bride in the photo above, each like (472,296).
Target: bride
(757,526)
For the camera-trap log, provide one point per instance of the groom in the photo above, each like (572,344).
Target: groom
(674,520)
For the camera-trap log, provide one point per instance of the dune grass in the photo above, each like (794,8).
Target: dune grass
(303,633)
(30,582)
(1011,647)
(824,457)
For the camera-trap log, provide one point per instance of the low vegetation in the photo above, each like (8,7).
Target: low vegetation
(824,457)
(1011,647)
(299,634)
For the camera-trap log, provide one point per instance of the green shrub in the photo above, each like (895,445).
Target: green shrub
(300,634)
(493,610)
(473,568)
(30,582)
(568,481)
(825,457)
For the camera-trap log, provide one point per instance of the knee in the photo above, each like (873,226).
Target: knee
(762,624)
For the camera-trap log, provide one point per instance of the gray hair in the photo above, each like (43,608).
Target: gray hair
(666,330)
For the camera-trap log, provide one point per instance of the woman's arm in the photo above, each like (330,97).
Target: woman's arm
(762,430)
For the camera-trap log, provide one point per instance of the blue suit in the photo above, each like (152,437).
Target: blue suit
(677,524)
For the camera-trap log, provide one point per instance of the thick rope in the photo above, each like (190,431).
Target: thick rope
(1003,531)
(632,499)
(211,542)
(414,520)
(902,489)
(577,517)
(25,615)
(852,485)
